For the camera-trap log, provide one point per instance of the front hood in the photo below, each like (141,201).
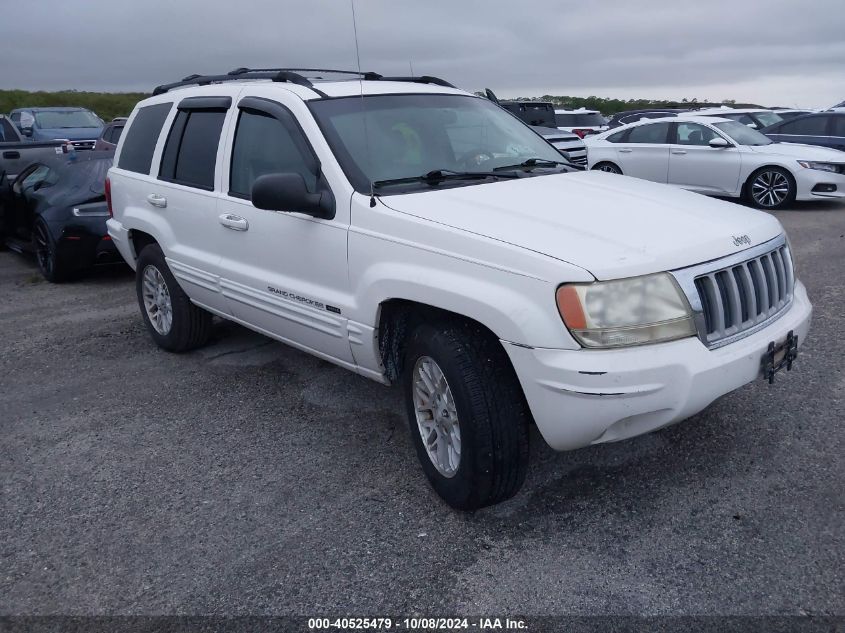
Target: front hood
(610,225)
(69,133)
(798,151)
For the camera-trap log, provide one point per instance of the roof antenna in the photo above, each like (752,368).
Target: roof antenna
(363,108)
(411,66)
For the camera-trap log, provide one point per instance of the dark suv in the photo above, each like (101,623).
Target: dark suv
(820,128)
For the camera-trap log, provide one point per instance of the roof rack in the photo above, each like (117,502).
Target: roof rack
(291,75)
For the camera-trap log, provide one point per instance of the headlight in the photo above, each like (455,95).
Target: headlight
(808,164)
(623,312)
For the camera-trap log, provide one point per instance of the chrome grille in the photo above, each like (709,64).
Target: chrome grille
(736,295)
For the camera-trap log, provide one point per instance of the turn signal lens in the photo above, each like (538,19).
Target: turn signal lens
(622,312)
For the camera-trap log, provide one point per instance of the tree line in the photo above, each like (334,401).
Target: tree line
(113,104)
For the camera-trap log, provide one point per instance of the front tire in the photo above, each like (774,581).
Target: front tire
(770,188)
(175,323)
(49,264)
(467,414)
(607,167)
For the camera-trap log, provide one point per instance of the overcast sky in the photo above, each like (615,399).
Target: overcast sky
(775,52)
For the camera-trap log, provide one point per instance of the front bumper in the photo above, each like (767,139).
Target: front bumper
(583,397)
(806,181)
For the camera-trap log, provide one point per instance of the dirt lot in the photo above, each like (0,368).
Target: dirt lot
(250,478)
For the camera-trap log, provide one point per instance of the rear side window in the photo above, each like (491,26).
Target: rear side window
(140,143)
(191,151)
(649,133)
(616,137)
(264,145)
(839,126)
(807,126)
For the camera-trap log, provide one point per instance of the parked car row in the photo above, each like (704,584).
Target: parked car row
(720,156)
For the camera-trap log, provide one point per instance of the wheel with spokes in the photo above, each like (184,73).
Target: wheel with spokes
(175,323)
(467,414)
(607,167)
(770,188)
(46,256)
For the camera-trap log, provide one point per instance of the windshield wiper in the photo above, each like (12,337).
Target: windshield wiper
(439,175)
(534,162)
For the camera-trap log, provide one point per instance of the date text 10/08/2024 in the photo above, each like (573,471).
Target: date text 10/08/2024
(417,623)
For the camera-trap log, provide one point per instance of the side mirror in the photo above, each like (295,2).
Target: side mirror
(753,126)
(287,192)
(26,131)
(719,143)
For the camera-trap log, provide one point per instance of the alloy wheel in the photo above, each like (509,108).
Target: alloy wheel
(43,251)
(157,301)
(770,188)
(437,417)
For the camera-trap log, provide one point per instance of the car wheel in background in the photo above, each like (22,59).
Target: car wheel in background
(467,414)
(175,323)
(45,254)
(770,188)
(610,168)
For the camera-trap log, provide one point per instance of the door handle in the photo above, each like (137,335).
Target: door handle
(625,151)
(234,222)
(11,155)
(157,200)
(679,151)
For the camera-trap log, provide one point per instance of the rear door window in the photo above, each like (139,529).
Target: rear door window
(190,154)
(807,126)
(140,143)
(649,133)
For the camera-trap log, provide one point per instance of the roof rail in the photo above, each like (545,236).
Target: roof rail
(291,75)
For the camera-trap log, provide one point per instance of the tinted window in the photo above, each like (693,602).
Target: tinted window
(7,131)
(807,126)
(114,134)
(615,138)
(694,134)
(137,152)
(263,145)
(649,133)
(191,150)
(838,126)
(576,119)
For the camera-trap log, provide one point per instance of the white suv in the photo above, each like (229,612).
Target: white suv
(422,236)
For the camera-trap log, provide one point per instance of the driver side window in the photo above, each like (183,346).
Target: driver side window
(264,145)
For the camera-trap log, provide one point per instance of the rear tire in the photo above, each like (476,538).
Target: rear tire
(607,167)
(770,188)
(480,394)
(49,263)
(175,323)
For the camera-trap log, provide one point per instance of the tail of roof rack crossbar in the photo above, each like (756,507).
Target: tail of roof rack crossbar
(291,75)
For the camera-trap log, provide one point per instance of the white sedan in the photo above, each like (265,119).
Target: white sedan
(719,157)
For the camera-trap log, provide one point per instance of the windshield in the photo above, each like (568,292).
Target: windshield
(742,134)
(57,119)
(573,119)
(406,136)
(768,118)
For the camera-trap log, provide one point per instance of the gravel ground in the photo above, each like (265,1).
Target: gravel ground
(249,478)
